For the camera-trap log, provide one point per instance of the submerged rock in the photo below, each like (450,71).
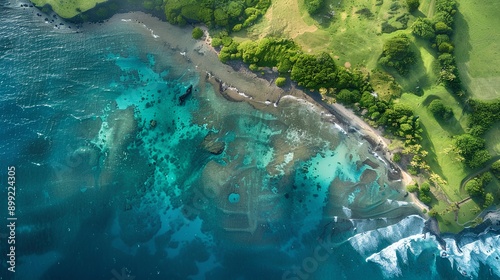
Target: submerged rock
(212,144)
(182,98)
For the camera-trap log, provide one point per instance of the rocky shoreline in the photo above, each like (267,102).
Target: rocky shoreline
(237,83)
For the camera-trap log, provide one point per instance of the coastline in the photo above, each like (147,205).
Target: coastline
(238,84)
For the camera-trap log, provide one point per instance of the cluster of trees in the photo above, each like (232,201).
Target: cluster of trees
(231,14)
(314,72)
(440,110)
(475,188)
(424,192)
(397,54)
(472,149)
(438,32)
(470,145)
(484,114)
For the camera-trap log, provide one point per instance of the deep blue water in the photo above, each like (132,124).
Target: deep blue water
(113,178)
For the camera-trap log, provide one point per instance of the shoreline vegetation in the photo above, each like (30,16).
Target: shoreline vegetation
(382,101)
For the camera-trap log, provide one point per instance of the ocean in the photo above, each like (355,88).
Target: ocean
(130,165)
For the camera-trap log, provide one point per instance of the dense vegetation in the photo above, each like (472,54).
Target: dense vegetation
(484,115)
(397,53)
(230,14)
(472,149)
(438,31)
(476,189)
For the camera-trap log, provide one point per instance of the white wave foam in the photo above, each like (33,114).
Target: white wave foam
(370,242)
(388,257)
(484,250)
(337,126)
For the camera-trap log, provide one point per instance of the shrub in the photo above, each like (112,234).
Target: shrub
(433,213)
(280,81)
(197,33)
(412,188)
(396,157)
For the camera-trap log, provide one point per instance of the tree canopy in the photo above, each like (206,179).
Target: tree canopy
(314,71)
(412,5)
(397,54)
(423,28)
(314,6)
(233,14)
(439,110)
(197,33)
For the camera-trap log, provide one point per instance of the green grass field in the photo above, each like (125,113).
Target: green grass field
(68,8)
(478,47)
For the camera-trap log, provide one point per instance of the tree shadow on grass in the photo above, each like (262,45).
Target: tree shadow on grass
(450,125)
(431,157)
(463,48)
(416,79)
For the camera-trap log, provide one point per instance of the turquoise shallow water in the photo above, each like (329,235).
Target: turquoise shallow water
(114,176)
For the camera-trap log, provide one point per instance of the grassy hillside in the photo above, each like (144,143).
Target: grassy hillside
(68,8)
(478,47)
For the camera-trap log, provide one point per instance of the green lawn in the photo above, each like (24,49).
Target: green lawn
(492,142)
(68,8)
(438,138)
(477,49)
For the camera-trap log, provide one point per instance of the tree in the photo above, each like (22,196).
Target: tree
(495,169)
(412,5)
(441,28)
(314,6)
(439,110)
(397,53)
(425,188)
(423,28)
(445,47)
(475,188)
(197,33)
(488,200)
